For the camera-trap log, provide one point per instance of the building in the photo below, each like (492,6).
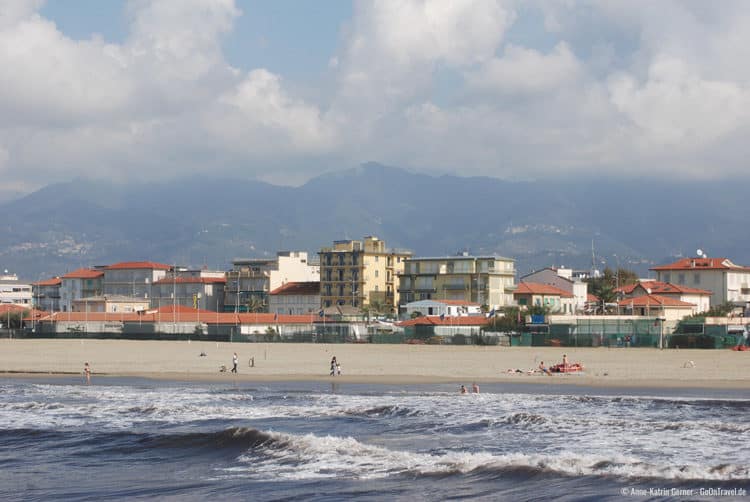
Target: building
(110,304)
(661,307)
(361,274)
(133,278)
(13,291)
(250,280)
(727,281)
(555,300)
(81,283)
(564,279)
(485,280)
(47,294)
(295,298)
(700,298)
(445,308)
(199,289)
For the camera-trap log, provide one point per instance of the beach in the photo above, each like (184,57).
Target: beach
(365,363)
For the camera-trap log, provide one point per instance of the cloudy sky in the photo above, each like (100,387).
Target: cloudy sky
(285,90)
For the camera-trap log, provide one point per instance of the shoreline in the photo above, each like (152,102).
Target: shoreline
(532,380)
(374,363)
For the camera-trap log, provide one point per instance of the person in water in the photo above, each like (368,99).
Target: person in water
(87,372)
(475,388)
(462,389)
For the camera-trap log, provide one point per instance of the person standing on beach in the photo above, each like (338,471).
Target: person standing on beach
(333,366)
(87,372)
(234,363)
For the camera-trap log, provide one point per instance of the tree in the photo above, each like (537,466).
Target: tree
(255,304)
(722,310)
(508,322)
(13,319)
(604,285)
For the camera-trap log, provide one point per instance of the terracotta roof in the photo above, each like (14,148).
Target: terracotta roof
(137,265)
(36,314)
(434,320)
(55,281)
(83,273)
(192,280)
(663,288)
(298,288)
(591,298)
(702,264)
(534,288)
(653,301)
(184,315)
(11,307)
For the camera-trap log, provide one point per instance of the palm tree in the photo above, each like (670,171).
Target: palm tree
(256,304)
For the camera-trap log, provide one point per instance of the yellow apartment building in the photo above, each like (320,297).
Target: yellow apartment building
(361,274)
(486,280)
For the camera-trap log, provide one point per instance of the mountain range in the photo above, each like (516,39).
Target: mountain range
(207,222)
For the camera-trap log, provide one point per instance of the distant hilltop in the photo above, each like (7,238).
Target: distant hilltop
(209,221)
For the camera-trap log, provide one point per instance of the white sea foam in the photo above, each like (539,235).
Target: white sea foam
(295,457)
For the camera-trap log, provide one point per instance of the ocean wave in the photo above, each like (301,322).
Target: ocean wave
(288,456)
(384,411)
(702,403)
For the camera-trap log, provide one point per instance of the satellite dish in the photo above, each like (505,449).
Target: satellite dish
(699,252)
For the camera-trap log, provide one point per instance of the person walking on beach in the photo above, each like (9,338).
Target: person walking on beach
(338,369)
(87,372)
(234,363)
(334,363)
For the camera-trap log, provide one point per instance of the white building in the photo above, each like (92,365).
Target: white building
(700,298)
(14,291)
(295,298)
(447,308)
(727,281)
(562,278)
(256,277)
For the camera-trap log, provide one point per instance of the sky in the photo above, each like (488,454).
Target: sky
(282,91)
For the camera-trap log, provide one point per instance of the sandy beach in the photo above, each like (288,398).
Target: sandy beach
(375,363)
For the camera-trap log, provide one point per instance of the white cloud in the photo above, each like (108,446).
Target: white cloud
(676,107)
(510,89)
(523,70)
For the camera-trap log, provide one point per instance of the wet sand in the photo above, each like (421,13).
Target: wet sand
(365,363)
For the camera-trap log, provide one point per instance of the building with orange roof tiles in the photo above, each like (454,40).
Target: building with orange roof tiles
(727,281)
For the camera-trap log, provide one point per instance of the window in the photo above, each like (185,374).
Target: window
(696,278)
(680,278)
(376,273)
(667,277)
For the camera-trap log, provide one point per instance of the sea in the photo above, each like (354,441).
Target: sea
(139,439)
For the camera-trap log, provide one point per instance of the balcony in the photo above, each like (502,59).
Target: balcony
(455,287)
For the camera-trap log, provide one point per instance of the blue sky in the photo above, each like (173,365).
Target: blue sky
(283,91)
(292,38)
